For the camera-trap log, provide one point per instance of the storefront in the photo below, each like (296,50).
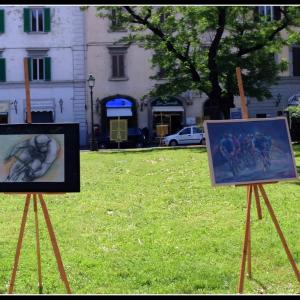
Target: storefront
(170,112)
(42,111)
(115,107)
(4,110)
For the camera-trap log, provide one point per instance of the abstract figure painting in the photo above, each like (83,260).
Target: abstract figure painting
(249,151)
(39,157)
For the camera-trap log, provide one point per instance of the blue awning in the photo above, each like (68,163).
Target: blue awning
(118,103)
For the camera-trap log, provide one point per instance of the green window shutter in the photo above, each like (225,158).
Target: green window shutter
(2,20)
(47,19)
(48,68)
(2,70)
(29,68)
(26,18)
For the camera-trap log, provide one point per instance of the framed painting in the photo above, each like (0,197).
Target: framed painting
(249,151)
(39,157)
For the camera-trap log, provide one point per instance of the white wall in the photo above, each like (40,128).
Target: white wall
(67,67)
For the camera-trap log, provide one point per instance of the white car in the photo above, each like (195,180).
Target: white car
(186,136)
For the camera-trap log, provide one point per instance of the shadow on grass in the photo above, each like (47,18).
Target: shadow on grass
(197,149)
(263,287)
(297,182)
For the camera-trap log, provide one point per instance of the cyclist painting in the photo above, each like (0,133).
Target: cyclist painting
(262,146)
(229,149)
(32,158)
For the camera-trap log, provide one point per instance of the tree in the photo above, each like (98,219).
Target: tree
(199,48)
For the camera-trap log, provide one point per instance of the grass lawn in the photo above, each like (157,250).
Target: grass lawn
(150,223)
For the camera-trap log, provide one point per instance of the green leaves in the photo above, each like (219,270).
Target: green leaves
(181,38)
(294,112)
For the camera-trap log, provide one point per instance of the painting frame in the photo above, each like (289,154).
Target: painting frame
(69,180)
(213,131)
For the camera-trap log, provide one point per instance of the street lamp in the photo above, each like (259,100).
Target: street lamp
(91,83)
(278,100)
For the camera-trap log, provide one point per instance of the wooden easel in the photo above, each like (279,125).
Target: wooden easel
(46,216)
(255,188)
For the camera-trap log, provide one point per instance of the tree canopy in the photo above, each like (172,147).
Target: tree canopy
(199,47)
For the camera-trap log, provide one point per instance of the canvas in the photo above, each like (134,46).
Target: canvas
(39,158)
(249,151)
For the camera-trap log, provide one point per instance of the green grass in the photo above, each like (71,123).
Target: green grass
(149,222)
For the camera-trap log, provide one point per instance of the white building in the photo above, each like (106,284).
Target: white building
(53,38)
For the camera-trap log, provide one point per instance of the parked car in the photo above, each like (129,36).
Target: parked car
(135,139)
(186,136)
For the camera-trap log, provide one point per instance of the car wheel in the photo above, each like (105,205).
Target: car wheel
(202,142)
(173,143)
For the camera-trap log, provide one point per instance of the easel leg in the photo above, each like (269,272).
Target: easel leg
(249,243)
(246,242)
(38,251)
(258,207)
(19,245)
(54,245)
(284,243)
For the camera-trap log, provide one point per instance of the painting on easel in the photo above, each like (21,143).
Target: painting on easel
(249,151)
(39,157)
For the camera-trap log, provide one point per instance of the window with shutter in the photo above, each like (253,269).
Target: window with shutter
(121,65)
(118,63)
(116,22)
(39,68)
(37,20)
(26,19)
(47,68)
(2,23)
(2,70)
(269,12)
(114,65)
(29,68)
(47,18)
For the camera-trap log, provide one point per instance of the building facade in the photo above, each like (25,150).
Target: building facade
(121,80)
(53,40)
(288,86)
(64,45)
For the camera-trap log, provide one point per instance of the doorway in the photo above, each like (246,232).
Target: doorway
(4,118)
(172,119)
(117,106)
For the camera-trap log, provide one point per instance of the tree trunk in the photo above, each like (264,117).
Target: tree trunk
(212,107)
(227,102)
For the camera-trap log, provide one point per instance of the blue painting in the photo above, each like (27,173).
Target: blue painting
(249,151)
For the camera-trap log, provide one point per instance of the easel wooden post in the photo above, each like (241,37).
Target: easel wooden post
(246,254)
(46,216)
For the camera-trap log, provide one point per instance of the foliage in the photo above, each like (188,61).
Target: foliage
(294,115)
(148,222)
(294,112)
(199,47)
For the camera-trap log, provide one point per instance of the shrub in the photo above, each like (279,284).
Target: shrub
(294,115)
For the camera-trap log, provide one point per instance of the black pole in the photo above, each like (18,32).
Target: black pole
(93,143)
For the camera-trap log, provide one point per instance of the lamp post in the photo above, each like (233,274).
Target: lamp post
(91,83)
(278,100)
